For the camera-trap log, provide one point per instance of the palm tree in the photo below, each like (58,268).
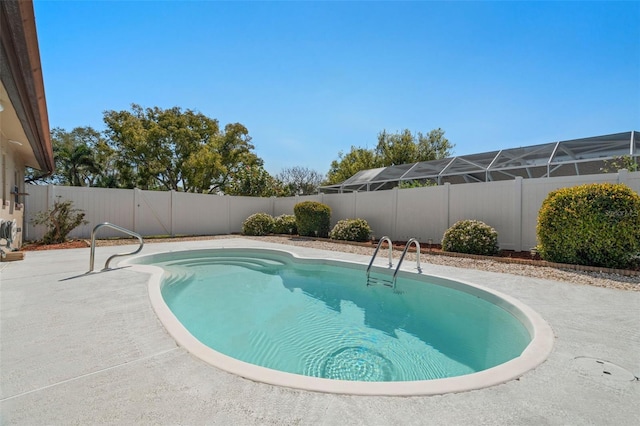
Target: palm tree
(76,164)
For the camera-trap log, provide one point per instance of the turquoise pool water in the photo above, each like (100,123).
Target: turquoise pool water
(323,321)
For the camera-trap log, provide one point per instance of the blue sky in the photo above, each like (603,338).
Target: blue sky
(311,79)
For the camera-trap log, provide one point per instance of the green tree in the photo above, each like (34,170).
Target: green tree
(433,146)
(300,180)
(235,149)
(177,150)
(351,163)
(396,148)
(406,148)
(107,159)
(36,177)
(76,164)
(254,181)
(83,158)
(407,184)
(624,162)
(391,149)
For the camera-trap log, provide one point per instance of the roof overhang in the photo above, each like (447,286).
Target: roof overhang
(22,94)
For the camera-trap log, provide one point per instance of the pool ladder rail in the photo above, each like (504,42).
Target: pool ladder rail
(392,282)
(118,228)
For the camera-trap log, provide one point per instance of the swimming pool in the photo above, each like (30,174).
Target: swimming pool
(271,316)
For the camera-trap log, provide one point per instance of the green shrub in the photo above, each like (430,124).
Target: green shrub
(285,224)
(60,220)
(472,237)
(351,230)
(258,224)
(313,218)
(594,224)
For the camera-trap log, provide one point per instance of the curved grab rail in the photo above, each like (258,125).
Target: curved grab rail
(375,253)
(116,227)
(415,241)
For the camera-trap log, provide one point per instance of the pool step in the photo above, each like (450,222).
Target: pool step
(249,264)
(374,280)
(174,277)
(260,265)
(228,260)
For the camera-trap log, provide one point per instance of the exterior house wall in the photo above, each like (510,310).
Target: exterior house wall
(24,124)
(11,176)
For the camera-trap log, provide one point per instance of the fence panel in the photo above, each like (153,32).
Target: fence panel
(511,207)
(152,212)
(377,208)
(34,203)
(343,206)
(631,179)
(422,214)
(490,202)
(99,204)
(284,205)
(240,208)
(200,214)
(108,205)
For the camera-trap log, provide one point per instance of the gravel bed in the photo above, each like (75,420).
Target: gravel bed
(597,279)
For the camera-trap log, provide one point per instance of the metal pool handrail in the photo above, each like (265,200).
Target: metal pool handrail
(383,239)
(118,228)
(406,248)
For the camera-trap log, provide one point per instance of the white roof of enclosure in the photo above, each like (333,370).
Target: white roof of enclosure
(564,158)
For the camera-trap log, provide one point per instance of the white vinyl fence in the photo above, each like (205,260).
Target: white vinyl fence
(511,207)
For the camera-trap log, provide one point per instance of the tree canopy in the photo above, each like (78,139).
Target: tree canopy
(177,150)
(184,150)
(81,158)
(254,181)
(299,180)
(351,163)
(392,149)
(168,149)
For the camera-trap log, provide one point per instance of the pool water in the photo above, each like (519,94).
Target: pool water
(324,321)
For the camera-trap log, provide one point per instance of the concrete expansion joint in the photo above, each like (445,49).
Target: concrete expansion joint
(93,373)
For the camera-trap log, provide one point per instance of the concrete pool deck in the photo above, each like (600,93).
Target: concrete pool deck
(89,349)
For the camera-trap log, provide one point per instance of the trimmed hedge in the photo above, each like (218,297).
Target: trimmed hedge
(594,224)
(313,219)
(351,230)
(285,224)
(258,224)
(471,237)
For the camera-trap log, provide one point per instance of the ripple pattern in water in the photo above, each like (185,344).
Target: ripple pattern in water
(357,363)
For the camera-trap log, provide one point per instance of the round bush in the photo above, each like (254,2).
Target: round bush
(594,224)
(285,224)
(258,224)
(313,219)
(351,230)
(472,237)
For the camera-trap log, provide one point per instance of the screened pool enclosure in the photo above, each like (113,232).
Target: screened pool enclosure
(565,158)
